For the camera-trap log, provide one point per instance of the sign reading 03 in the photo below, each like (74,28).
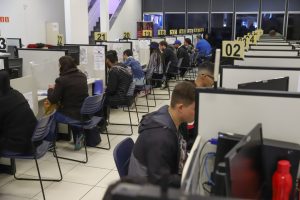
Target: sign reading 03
(233,49)
(246,42)
(147,33)
(161,32)
(3,44)
(100,36)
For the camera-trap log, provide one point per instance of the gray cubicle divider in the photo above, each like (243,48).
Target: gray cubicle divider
(14,42)
(27,87)
(238,111)
(231,76)
(42,64)
(92,61)
(269,61)
(274,47)
(271,52)
(120,47)
(274,43)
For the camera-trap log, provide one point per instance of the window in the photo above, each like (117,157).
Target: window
(198,20)
(247,5)
(271,21)
(222,5)
(174,5)
(197,5)
(245,23)
(157,19)
(152,5)
(273,5)
(174,21)
(293,32)
(221,27)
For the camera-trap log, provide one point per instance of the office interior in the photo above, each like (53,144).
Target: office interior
(248,118)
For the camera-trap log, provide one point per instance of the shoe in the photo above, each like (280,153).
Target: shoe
(79,142)
(141,94)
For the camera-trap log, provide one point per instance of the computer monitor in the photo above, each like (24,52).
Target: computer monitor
(244,167)
(13,51)
(15,67)
(278,84)
(14,42)
(73,51)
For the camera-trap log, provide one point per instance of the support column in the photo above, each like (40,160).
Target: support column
(104,17)
(76,21)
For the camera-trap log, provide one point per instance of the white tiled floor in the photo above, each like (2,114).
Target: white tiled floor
(80,181)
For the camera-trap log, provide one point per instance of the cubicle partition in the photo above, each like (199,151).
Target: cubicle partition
(280,43)
(42,65)
(272,52)
(232,76)
(27,87)
(269,61)
(120,47)
(14,42)
(4,63)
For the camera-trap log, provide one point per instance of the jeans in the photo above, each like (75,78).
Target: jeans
(61,118)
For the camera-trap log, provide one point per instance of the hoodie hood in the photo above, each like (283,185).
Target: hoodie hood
(4,83)
(158,119)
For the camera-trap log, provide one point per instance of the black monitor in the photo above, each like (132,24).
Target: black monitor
(244,167)
(13,51)
(15,67)
(14,42)
(278,84)
(73,51)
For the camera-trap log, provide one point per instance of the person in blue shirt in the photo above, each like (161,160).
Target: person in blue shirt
(204,48)
(136,68)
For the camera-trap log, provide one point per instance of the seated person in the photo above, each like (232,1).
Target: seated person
(160,150)
(182,52)
(204,79)
(118,83)
(17,121)
(188,44)
(204,49)
(136,68)
(69,93)
(168,55)
(155,66)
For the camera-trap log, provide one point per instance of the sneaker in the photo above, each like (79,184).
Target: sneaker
(79,142)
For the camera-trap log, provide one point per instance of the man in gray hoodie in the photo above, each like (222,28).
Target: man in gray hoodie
(160,151)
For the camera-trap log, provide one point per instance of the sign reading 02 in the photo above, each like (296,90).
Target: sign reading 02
(126,35)
(173,32)
(100,36)
(60,39)
(147,33)
(233,49)
(162,32)
(3,44)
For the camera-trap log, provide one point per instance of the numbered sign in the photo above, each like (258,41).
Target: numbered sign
(100,36)
(126,35)
(182,31)
(60,40)
(198,30)
(253,39)
(147,33)
(190,31)
(3,44)
(173,32)
(162,32)
(233,49)
(246,42)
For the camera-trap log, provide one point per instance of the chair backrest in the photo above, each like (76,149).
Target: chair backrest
(91,105)
(130,92)
(122,153)
(168,66)
(179,62)
(43,128)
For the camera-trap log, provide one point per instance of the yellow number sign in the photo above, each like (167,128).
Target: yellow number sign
(126,35)
(100,36)
(60,39)
(182,31)
(147,33)
(162,32)
(233,49)
(173,32)
(190,31)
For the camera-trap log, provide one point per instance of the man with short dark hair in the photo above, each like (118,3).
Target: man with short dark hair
(160,150)
(136,68)
(168,56)
(182,53)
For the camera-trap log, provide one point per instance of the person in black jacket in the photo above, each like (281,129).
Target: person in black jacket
(17,121)
(182,53)
(160,150)
(168,56)
(69,93)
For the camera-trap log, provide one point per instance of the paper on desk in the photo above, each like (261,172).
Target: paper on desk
(28,96)
(83,55)
(1,64)
(99,58)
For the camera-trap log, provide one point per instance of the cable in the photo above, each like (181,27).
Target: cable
(209,155)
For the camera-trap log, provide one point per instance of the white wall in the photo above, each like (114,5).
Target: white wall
(77,21)
(28,18)
(126,20)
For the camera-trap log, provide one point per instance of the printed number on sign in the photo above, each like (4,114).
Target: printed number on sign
(3,45)
(173,32)
(147,33)
(233,49)
(161,32)
(127,35)
(60,40)
(100,36)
